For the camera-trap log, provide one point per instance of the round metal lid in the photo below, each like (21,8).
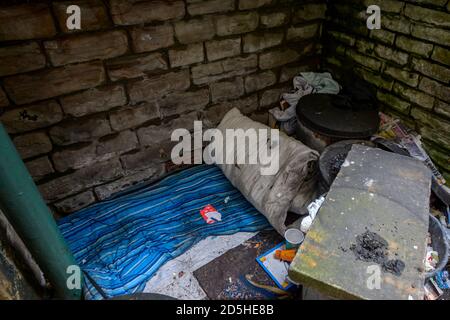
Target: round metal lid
(332,115)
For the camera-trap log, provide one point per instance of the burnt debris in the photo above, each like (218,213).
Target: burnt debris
(371,247)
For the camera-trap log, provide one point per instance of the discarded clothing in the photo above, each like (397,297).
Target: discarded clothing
(123,241)
(304,84)
(311,82)
(291,186)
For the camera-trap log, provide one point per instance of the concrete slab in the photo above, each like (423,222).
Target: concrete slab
(381,192)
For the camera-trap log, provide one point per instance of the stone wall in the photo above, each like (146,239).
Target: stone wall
(91,111)
(408,60)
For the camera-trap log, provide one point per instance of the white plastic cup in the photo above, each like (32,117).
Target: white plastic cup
(294,238)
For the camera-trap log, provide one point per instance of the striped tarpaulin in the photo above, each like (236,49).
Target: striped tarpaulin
(123,241)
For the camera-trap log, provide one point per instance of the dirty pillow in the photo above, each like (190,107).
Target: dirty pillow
(273,195)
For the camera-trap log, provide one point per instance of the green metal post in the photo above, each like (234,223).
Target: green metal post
(27,212)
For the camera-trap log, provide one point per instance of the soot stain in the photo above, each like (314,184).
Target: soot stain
(371,247)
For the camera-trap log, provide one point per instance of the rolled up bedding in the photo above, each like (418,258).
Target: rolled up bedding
(291,182)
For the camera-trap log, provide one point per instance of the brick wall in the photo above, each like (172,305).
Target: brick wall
(91,111)
(408,60)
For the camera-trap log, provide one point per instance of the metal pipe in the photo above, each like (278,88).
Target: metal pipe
(27,212)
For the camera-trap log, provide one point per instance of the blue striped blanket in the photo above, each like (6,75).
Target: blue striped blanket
(123,241)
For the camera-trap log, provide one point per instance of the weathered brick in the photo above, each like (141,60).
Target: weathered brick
(341,50)
(414,96)
(303,32)
(80,130)
(32,144)
(442,108)
(32,117)
(157,86)
(410,45)
(133,116)
(154,135)
(80,180)
(436,3)
(94,100)
(93,15)
(79,157)
(288,73)
(342,37)
(135,66)
(227,68)
(127,12)
(441,55)
(79,48)
(74,157)
(3,99)
(375,79)
(277,58)
(388,53)
(432,34)
(366,61)
(75,203)
(210,6)
(237,23)
(227,90)
(152,38)
(440,138)
(358,28)
(219,49)
(274,19)
(430,16)
(258,41)
(333,61)
(394,102)
(105,191)
(190,54)
(309,12)
(272,96)
(386,5)
(252,4)
(213,115)
(146,158)
(344,11)
(384,36)
(396,23)
(432,70)
(177,103)
(54,82)
(310,48)
(195,30)
(440,157)
(258,81)
(21,58)
(433,128)
(365,47)
(123,142)
(28,21)
(39,168)
(411,79)
(435,88)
